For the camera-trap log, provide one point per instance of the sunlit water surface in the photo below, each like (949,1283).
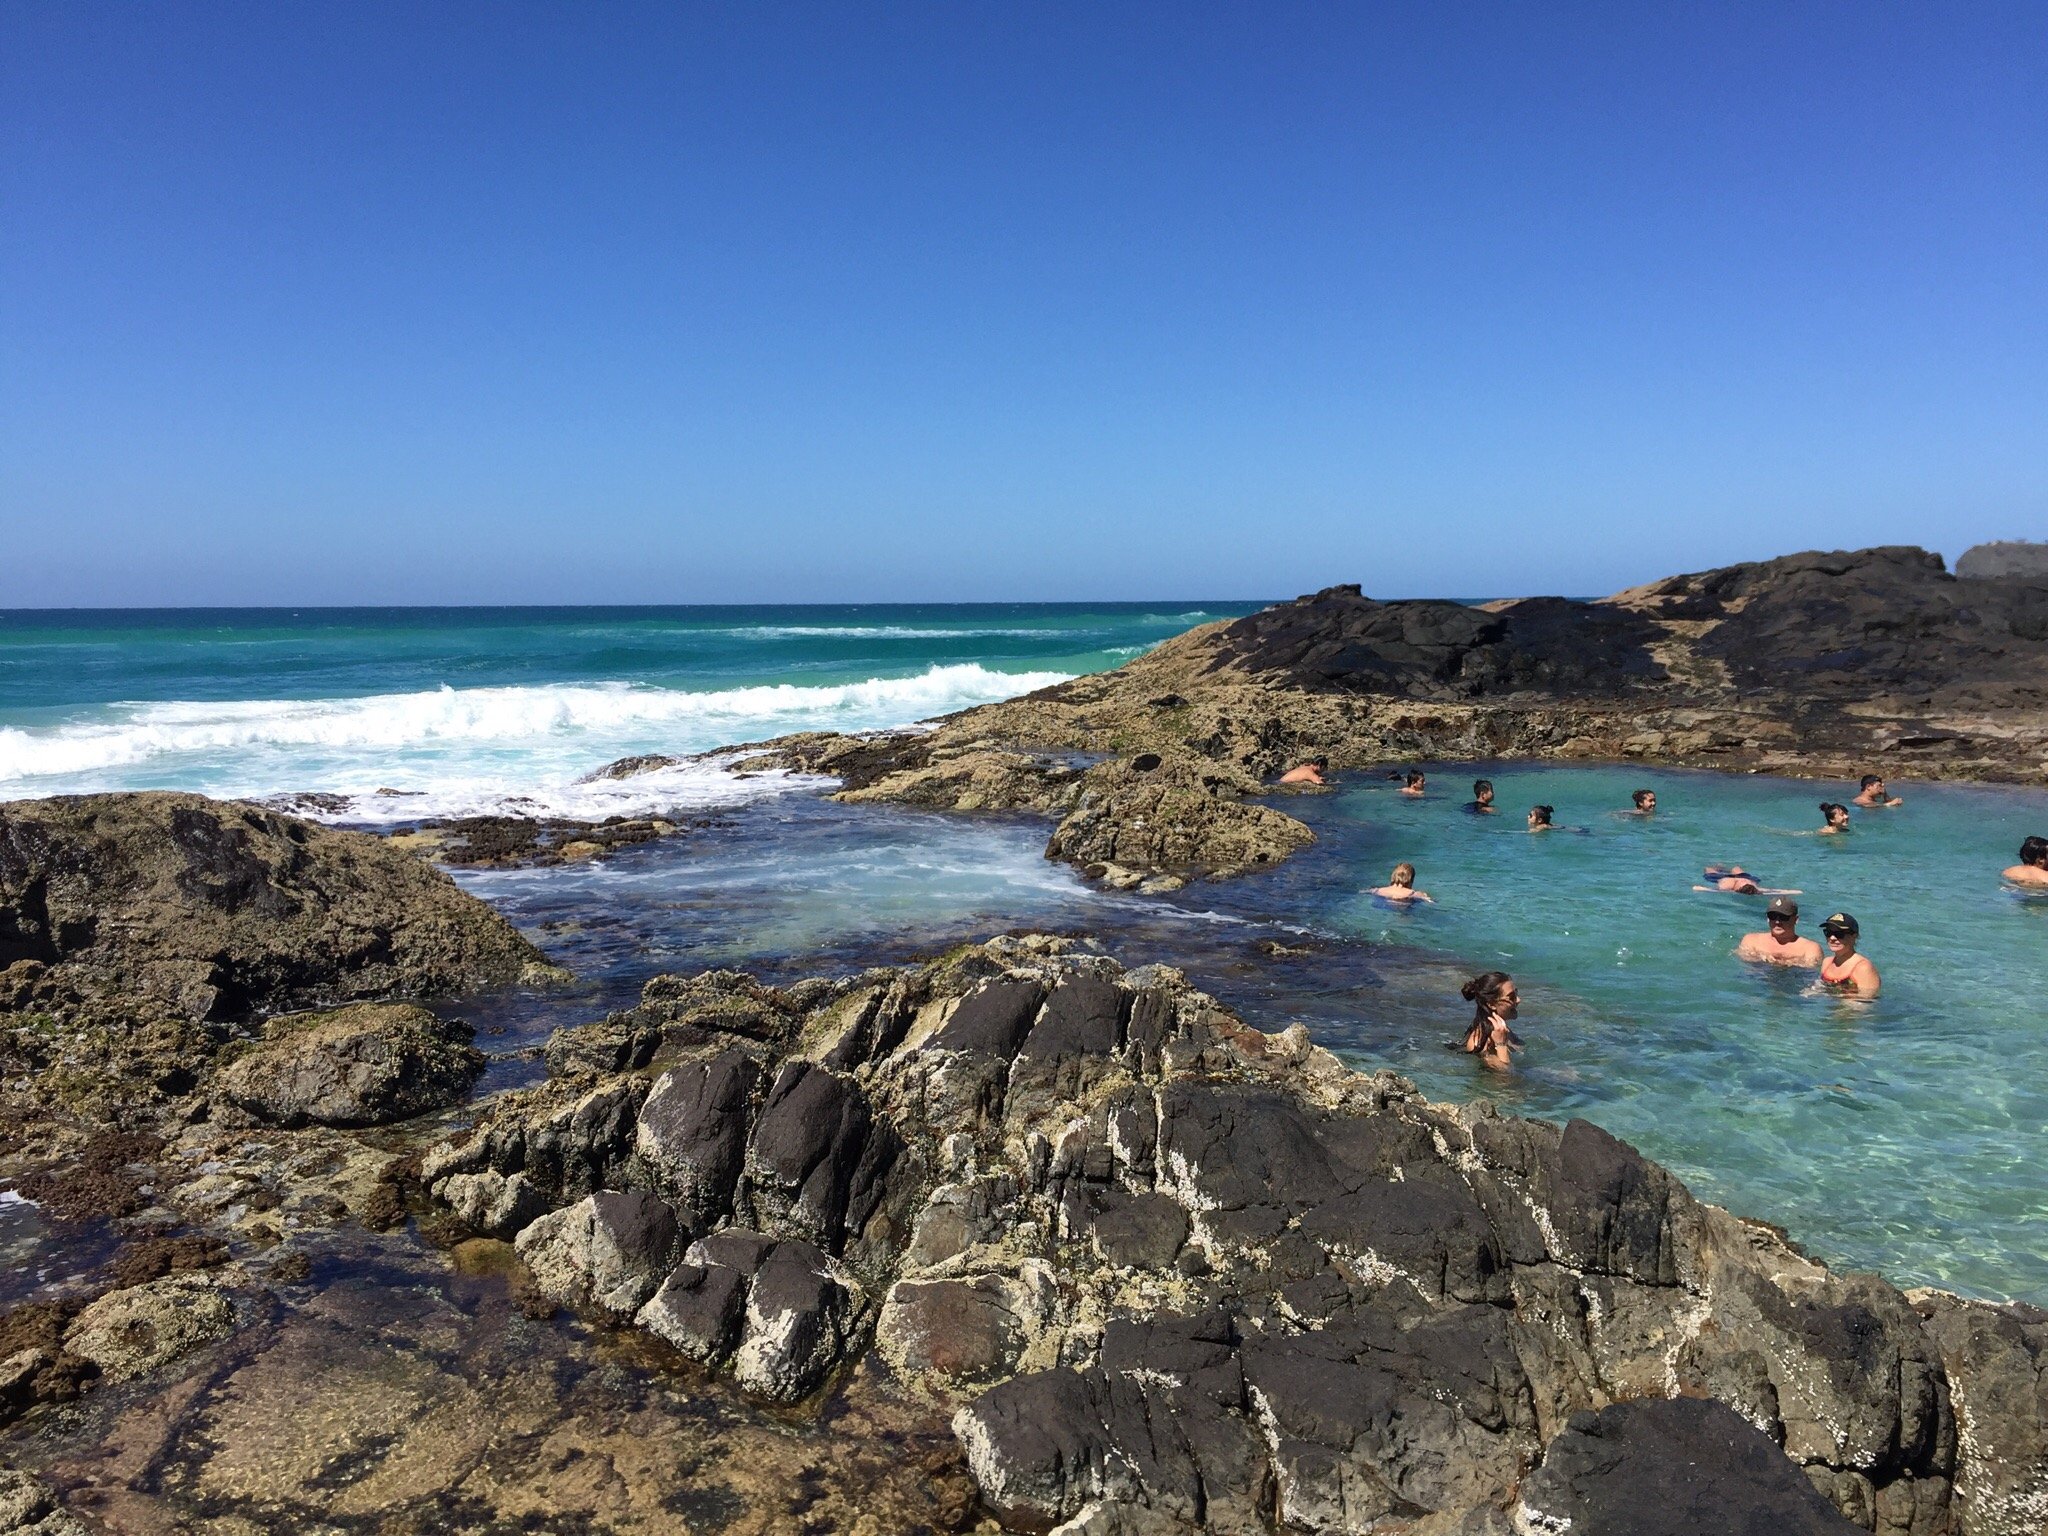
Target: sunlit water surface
(1905,1134)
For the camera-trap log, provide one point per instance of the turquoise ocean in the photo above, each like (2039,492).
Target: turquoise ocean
(1908,1134)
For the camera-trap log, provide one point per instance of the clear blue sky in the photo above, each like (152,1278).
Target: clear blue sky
(361,302)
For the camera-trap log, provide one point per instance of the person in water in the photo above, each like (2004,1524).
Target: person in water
(1872,793)
(1310,772)
(1481,803)
(1733,877)
(1495,1001)
(1539,817)
(1645,802)
(1401,886)
(1415,783)
(2032,869)
(1843,967)
(1837,816)
(1780,943)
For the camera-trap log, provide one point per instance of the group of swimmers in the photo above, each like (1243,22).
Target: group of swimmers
(1840,964)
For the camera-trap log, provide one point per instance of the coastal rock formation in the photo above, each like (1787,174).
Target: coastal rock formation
(2024,558)
(367,1064)
(1814,664)
(202,909)
(135,1331)
(1167,1273)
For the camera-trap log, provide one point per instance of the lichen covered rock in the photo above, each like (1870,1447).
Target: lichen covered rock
(368,1064)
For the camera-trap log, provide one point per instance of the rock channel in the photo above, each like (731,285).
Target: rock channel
(1167,1273)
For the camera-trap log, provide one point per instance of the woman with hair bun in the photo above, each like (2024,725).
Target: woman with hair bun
(1837,818)
(1495,1000)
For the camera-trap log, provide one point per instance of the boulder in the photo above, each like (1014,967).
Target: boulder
(132,1332)
(607,1253)
(28,1507)
(779,1312)
(368,1064)
(2026,559)
(175,905)
(1675,1467)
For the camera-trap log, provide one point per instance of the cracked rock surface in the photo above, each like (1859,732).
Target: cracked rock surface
(1166,1273)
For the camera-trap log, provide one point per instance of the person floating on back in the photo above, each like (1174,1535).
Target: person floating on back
(1539,817)
(1837,816)
(1645,802)
(1310,772)
(1872,793)
(1780,944)
(1495,1000)
(1415,783)
(1733,877)
(2032,869)
(1843,967)
(1481,803)
(1401,886)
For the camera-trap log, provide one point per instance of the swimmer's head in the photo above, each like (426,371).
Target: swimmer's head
(1482,791)
(1783,912)
(1319,762)
(1645,799)
(1837,814)
(1404,874)
(1492,992)
(1840,928)
(1415,779)
(1871,781)
(2034,851)
(1539,815)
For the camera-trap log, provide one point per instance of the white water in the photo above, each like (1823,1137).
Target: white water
(465,751)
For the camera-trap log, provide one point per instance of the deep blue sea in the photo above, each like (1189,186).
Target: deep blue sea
(1906,1134)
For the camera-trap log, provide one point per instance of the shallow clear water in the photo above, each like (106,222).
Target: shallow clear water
(1906,1134)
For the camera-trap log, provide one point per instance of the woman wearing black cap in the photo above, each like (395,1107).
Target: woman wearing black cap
(1843,967)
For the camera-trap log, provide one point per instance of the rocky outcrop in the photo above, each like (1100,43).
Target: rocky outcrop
(2024,558)
(1168,1273)
(135,1331)
(368,1064)
(134,927)
(202,909)
(1818,664)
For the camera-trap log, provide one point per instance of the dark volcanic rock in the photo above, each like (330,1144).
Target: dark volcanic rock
(1170,1274)
(1675,1468)
(368,1064)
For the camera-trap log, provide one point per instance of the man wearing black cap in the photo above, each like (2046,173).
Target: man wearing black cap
(1781,945)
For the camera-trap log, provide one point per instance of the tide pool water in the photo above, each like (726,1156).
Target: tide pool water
(472,710)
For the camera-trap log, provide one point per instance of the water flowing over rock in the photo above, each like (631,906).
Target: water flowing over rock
(1167,1273)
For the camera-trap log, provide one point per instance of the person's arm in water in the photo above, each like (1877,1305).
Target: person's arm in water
(1862,978)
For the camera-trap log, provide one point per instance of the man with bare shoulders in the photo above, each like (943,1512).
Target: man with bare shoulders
(1310,772)
(2032,869)
(1872,792)
(1780,944)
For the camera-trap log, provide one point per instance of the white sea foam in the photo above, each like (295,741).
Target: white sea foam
(468,749)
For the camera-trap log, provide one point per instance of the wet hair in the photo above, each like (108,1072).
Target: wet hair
(1542,813)
(1483,993)
(1404,874)
(1481,787)
(1319,762)
(1641,795)
(1414,776)
(1829,807)
(2034,851)
(1870,779)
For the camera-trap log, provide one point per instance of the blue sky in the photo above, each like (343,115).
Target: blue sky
(563,303)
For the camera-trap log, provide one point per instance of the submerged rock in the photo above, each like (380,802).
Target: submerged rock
(1167,1273)
(368,1064)
(135,1331)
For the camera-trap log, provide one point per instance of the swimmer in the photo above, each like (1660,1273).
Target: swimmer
(1414,785)
(1481,803)
(1872,792)
(2032,869)
(1645,803)
(1495,1001)
(1733,877)
(1539,818)
(1837,816)
(1310,772)
(1843,967)
(1780,944)
(1402,887)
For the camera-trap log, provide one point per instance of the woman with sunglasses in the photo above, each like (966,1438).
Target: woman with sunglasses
(1843,967)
